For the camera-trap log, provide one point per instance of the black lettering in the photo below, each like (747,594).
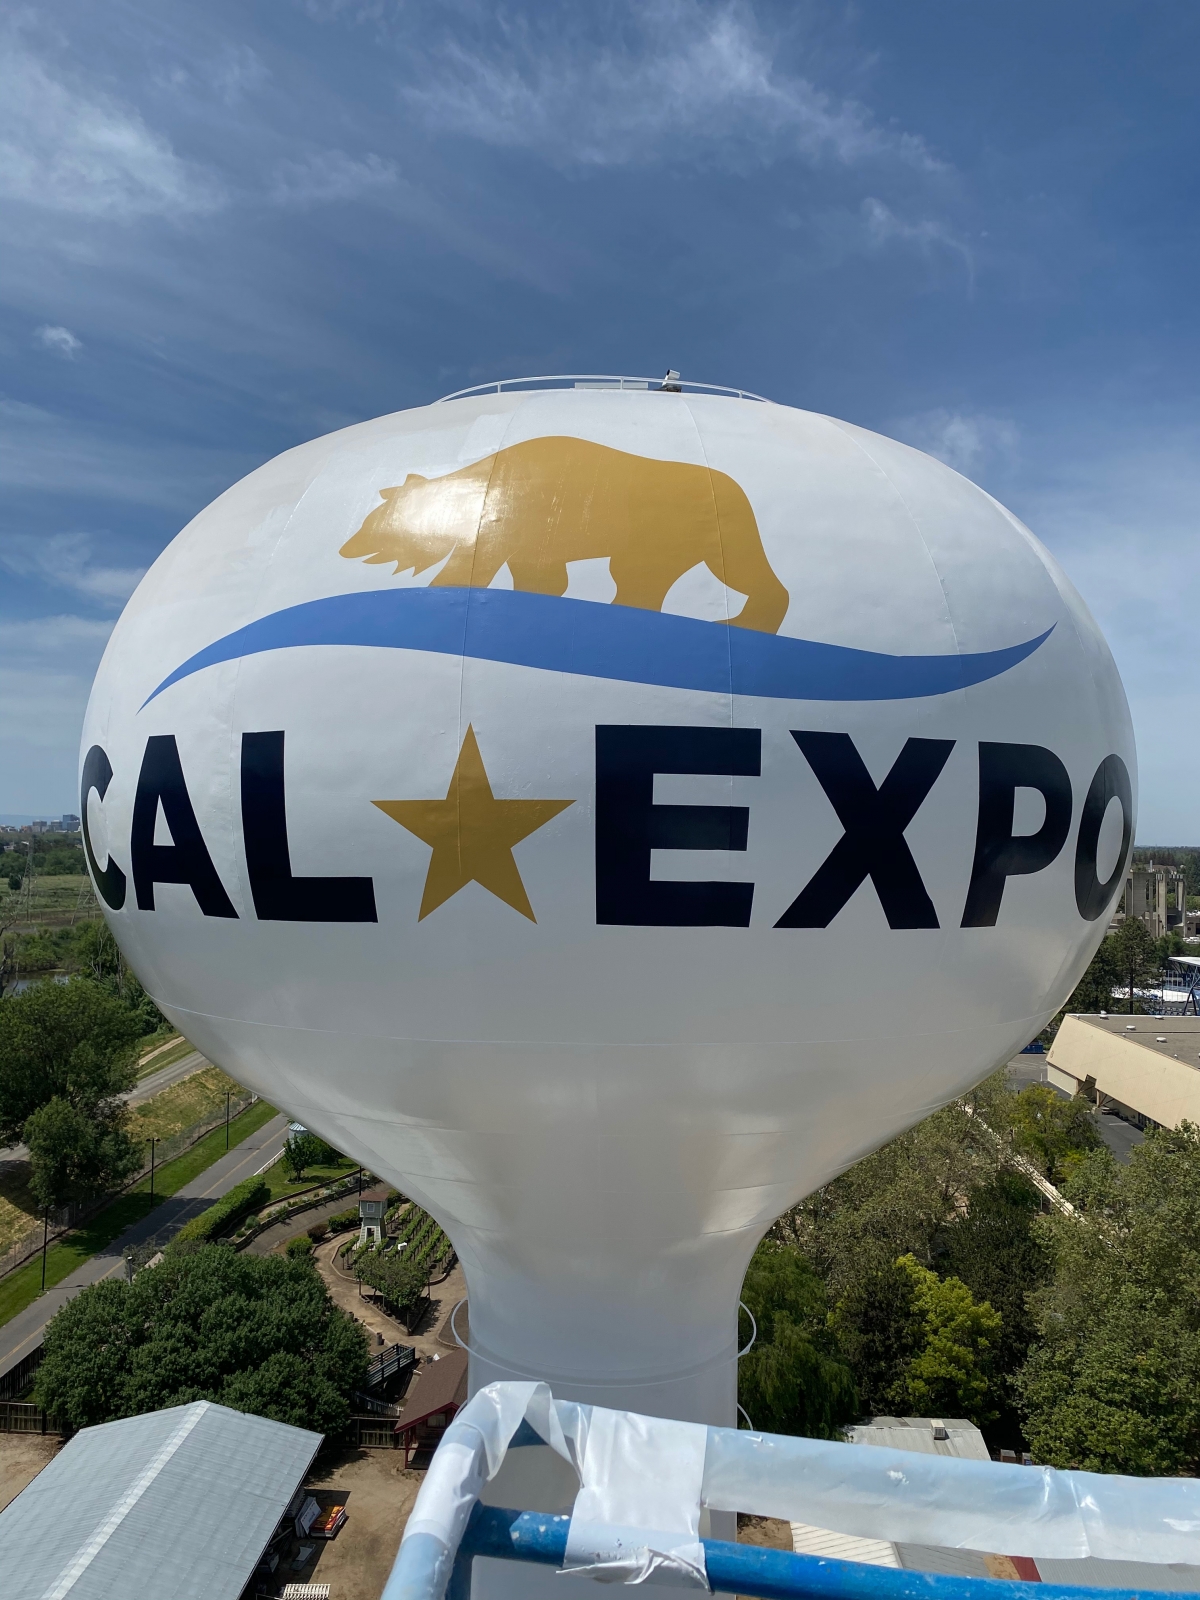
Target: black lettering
(278,896)
(186,858)
(1111,782)
(874,819)
(999,854)
(97,774)
(629,825)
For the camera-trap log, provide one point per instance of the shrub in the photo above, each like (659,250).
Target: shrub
(242,1199)
(301,1245)
(317,1231)
(341,1220)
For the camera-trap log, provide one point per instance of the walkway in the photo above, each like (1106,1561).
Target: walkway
(24,1332)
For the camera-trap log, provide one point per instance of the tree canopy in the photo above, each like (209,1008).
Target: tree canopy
(944,1199)
(401,1281)
(1113,1382)
(304,1150)
(259,1334)
(793,1379)
(70,1041)
(74,1155)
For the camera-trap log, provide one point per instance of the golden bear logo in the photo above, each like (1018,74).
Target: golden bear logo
(543,503)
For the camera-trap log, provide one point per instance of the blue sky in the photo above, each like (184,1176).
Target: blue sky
(232,227)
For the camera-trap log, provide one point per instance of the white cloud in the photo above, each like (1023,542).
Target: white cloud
(698,76)
(66,560)
(884,227)
(48,664)
(968,441)
(61,340)
(65,149)
(331,175)
(1119,510)
(64,455)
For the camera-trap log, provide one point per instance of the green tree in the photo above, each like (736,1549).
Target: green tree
(75,1155)
(1113,1382)
(1094,991)
(1051,1132)
(997,1247)
(951,1369)
(256,1333)
(69,1041)
(1136,959)
(402,1283)
(793,1379)
(946,1193)
(304,1150)
(93,951)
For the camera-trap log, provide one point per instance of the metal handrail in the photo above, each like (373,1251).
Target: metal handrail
(755,1570)
(656,385)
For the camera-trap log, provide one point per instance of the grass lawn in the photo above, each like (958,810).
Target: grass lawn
(21,1288)
(281,1185)
(182,1105)
(159,1057)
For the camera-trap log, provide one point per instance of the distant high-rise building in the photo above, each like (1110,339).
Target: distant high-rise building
(69,823)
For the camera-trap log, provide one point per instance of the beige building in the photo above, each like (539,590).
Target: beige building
(1148,1067)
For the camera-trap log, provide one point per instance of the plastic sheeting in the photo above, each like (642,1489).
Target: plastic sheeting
(645,1480)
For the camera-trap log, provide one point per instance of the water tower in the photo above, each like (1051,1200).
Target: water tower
(519,790)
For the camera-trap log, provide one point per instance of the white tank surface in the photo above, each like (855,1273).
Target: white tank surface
(607,813)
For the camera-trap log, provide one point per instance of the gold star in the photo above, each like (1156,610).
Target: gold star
(472,834)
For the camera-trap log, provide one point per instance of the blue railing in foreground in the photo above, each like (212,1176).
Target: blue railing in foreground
(752,1570)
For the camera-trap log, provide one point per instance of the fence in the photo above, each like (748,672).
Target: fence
(21,1416)
(20,1375)
(374,1433)
(71,1216)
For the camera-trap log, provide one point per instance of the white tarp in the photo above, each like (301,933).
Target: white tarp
(645,1480)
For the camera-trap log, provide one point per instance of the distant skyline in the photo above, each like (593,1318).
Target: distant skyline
(234,227)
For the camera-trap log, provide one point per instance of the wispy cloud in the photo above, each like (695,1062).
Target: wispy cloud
(53,454)
(67,148)
(685,79)
(968,441)
(331,175)
(61,340)
(48,664)
(67,560)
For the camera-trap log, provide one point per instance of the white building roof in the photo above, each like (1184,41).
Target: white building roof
(180,1502)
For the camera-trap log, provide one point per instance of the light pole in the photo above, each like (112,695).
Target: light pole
(153,1142)
(45,1242)
(228,1092)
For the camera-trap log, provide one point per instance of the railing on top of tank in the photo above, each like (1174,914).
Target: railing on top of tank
(750,1570)
(603,380)
(623,1460)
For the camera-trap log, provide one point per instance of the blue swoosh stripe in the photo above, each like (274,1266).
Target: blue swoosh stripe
(591,640)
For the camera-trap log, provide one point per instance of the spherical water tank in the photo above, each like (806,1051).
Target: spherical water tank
(607,814)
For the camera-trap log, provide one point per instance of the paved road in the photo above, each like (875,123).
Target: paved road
(151,1085)
(24,1332)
